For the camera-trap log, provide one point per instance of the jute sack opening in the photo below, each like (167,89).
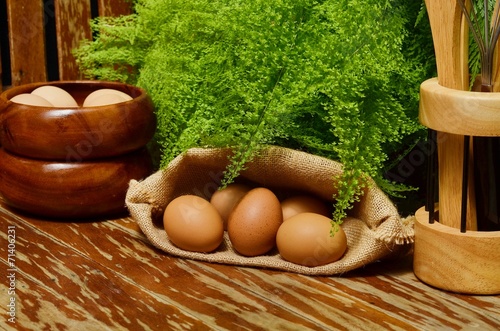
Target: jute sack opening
(374,228)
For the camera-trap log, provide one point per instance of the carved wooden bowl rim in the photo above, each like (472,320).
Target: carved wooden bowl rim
(78,133)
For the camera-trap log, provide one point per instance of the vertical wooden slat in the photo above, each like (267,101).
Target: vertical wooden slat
(27,41)
(451,49)
(73,26)
(114,7)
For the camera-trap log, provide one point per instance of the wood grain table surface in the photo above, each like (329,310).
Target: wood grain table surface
(105,275)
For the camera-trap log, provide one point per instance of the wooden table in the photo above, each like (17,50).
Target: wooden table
(104,275)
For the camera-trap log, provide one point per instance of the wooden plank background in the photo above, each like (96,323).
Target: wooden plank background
(27,41)
(73,26)
(114,7)
(28,45)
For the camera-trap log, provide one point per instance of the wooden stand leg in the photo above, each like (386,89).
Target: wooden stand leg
(450,159)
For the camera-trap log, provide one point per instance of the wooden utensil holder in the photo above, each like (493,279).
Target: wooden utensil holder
(445,257)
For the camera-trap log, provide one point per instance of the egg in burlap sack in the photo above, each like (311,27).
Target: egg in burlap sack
(374,228)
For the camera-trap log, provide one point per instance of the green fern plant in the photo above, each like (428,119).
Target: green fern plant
(331,78)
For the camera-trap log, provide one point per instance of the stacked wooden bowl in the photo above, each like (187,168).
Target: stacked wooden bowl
(74,162)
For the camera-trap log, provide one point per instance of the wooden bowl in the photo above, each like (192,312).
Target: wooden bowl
(70,189)
(80,133)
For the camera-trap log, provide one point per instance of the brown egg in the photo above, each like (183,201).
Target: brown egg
(226,199)
(193,224)
(304,204)
(31,99)
(55,95)
(120,96)
(253,224)
(105,99)
(305,239)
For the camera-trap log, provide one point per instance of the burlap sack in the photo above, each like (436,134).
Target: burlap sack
(374,228)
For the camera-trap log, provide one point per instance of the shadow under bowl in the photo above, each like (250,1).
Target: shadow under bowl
(76,133)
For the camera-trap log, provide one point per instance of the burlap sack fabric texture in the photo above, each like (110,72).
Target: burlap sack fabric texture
(373,228)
